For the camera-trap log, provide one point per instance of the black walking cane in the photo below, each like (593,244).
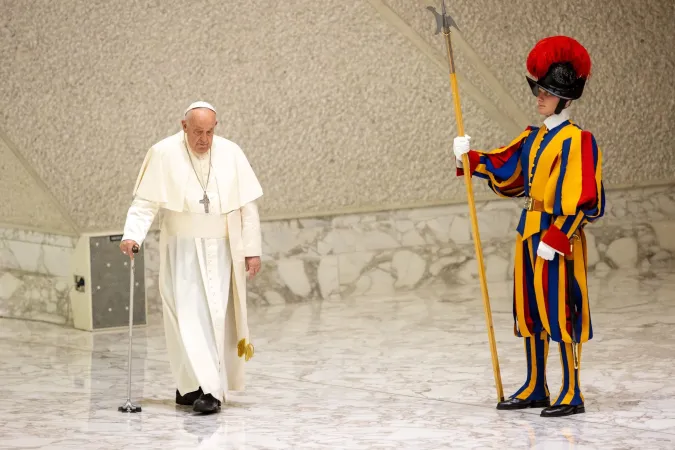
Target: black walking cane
(129,407)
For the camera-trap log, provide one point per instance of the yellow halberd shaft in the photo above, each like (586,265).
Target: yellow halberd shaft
(472,213)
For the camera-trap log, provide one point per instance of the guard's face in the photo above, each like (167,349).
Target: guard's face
(546,102)
(199,127)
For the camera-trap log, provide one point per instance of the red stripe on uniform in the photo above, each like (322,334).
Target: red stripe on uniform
(588,195)
(517,183)
(526,300)
(568,311)
(544,274)
(501,158)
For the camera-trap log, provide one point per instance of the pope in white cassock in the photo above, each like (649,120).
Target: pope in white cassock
(210,238)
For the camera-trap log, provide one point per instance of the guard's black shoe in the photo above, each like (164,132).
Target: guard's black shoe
(563,410)
(189,398)
(516,403)
(206,404)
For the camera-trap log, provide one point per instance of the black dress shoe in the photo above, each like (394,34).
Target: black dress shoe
(189,398)
(516,403)
(206,404)
(563,410)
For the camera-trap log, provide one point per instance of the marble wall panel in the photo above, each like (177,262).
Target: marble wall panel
(356,255)
(332,258)
(34,276)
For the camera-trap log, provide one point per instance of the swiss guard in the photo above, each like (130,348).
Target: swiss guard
(557,169)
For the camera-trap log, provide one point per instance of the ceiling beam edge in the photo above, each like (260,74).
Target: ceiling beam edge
(40,183)
(508,122)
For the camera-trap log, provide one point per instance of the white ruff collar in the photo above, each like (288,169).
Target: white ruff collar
(556,119)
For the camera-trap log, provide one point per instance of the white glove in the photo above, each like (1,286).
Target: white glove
(461,146)
(545,251)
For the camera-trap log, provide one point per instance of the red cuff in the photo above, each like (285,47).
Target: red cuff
(474,160)
(557,240)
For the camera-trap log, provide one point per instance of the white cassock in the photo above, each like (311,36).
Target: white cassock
(202,274)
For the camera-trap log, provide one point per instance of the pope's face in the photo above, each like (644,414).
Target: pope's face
(199,126)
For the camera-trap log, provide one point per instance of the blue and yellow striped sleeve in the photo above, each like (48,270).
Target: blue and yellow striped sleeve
(501,167)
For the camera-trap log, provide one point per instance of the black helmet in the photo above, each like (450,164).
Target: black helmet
(561,66)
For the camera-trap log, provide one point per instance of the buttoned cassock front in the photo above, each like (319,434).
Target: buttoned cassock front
(202,277)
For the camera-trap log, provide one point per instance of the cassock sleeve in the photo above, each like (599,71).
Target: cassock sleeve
(139,219)
(151,181)
(579,192)
(501,167)
(250,232)
(248,184)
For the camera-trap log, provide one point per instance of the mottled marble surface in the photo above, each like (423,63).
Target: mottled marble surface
(35,275)
(405,371)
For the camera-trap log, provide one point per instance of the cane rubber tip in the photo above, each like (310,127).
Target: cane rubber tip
(129,410)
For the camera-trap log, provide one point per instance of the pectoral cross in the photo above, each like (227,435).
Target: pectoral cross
(205,201)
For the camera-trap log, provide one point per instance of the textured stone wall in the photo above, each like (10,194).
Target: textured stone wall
(25,202)
(339,105)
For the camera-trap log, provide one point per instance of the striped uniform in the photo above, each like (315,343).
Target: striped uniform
(561,170)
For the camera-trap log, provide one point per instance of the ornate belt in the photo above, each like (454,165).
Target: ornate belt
(532,204)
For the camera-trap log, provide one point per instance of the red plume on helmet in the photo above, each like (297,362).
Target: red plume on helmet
(561,66)
(558,49)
